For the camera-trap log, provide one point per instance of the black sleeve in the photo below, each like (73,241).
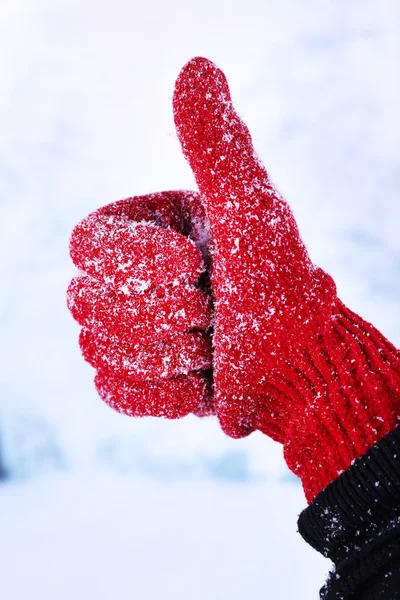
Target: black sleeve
(355,522)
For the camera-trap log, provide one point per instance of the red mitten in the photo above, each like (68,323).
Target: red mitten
(289,358)
(144,304)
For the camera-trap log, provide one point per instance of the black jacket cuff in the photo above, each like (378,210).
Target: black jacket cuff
(355,521)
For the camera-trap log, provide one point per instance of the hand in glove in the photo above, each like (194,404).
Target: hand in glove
(289,358)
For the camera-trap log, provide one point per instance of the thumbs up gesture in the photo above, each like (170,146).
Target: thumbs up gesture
(289,358)
(268,294)
(285,356)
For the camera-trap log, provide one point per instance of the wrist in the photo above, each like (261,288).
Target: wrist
(349,377)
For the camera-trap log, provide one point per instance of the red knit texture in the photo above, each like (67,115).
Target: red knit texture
(289,358)
(144,304)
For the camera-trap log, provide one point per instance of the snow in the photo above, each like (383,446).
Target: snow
(85,119)
(114,537)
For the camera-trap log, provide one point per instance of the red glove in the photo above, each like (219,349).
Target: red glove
(144,303)
(289,358)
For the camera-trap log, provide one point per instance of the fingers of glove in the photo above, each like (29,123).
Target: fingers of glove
(182,210)
(214,139)
(162,208)
(133,256)
(154,315)
(240,199)
(178,355)
(170,398)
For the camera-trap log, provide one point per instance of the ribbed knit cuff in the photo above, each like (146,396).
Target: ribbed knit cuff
(349,377)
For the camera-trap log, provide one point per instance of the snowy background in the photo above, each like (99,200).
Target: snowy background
(97,505)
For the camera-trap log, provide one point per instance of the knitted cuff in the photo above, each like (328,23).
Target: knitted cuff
(350,383)
(355,521)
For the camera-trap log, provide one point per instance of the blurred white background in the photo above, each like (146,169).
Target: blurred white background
(101,506)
